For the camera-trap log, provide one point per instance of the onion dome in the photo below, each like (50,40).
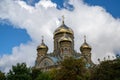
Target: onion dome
(42,45)
(65,38)
(63,29)
(85,45)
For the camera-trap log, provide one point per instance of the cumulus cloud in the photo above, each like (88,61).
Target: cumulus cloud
(101,29)
(23,53)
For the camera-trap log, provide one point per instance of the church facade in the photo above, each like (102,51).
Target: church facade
(63,47)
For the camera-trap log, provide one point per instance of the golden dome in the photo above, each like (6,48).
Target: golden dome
(42,46)
(85,45)
(65,38)
(63,29)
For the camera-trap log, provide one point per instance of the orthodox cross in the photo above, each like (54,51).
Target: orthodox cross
(42,39)
(85,38)
(63,19)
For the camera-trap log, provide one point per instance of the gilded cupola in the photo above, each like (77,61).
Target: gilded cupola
(63,29)
(85,45)
(42,45)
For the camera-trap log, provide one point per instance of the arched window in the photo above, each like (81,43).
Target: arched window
(46,63)
(66,50)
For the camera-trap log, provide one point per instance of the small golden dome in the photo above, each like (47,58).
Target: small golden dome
(63,29)
(85,45)
(65,38)
(42,46)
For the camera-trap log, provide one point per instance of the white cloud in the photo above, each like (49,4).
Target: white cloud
(46,4)
(23,53)
(25,6)
(101,29)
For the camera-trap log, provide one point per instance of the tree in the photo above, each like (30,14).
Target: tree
(35,73)
(72,69)
(2,76)
(19,72)
(44,76)
(52,73)
(107,70)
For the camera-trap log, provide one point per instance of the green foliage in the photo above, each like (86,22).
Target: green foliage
(44,76)
(2,76)
(107,70)
(19,72)
(35,73)
(52,73)
(71,69)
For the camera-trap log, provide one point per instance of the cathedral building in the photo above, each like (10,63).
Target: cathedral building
(63,47)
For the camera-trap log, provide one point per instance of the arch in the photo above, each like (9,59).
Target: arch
(47,61)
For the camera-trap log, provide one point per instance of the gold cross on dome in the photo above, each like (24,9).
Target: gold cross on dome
(42,39)
(84,38)
(63,19)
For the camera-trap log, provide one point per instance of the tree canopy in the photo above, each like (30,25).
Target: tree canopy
(107,70)
(2,76)
(71,69)
(19,72)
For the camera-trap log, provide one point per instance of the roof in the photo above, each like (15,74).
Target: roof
(63,29)
(65,38)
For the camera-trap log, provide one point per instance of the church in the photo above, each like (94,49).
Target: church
(63,47)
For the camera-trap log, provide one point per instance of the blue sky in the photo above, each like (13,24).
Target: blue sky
(22,24)
(10,36)
(111,6)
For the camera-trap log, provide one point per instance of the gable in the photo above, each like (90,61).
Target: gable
(45,62)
